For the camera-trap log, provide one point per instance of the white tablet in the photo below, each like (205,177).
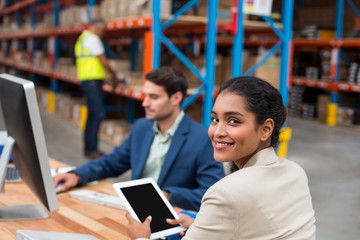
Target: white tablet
(143,198)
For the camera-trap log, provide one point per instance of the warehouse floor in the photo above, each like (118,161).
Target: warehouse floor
(329,155)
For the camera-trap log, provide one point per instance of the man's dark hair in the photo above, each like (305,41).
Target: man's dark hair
(170,79)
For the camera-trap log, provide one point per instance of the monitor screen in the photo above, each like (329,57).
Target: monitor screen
(23,123)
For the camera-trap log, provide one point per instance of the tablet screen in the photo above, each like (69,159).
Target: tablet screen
(143,198)
(145,202)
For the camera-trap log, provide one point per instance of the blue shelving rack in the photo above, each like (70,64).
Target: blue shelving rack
(284,44)
(339,33)
(207,79)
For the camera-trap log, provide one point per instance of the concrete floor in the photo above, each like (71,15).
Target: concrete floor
(329,155)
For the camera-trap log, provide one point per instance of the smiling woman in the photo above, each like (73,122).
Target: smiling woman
(247,115)
(265,197)
(234,132)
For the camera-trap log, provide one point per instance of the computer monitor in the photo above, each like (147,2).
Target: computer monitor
(23,125)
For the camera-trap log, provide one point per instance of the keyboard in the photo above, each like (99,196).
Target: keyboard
(42,235)
(98,198)
(12,174)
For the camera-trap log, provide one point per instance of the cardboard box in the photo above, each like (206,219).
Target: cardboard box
(326,34)
(269,71)
(63,107)
(135,79)
(81,14)
(76,105)
(145,7)
(345,116)
(120,65)
(114,132)
(199,63)
(321,106)
(42,96)
(134,8)
(224,6)
(194,111)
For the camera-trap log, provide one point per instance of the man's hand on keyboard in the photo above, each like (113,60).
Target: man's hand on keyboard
(65,181)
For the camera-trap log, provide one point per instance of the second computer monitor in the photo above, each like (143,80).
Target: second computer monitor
(23,123)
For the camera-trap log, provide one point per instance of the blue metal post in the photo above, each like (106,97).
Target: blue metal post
(339,29)
(287,13)
(130,110)
(56,11)
(32,16)
(339,26)
(156,29)
(18,23)
(210,61)
(134,47)
(32,45)
(91,4)
(238,43)
(18,16)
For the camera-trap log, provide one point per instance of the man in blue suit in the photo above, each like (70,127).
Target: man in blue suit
(166,145)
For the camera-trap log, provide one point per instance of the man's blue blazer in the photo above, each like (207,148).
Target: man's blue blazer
(189,168)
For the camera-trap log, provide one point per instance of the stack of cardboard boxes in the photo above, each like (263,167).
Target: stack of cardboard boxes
(71,110)
(77,15)
(321,105)
(114,131)
(66,107)
(41,60)
(122,68)
(345,116)
(114,9)
(66,66)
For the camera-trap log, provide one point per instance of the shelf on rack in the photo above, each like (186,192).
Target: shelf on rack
(26,67)
(134,92)
(187,22)
(16,6)
(311,43)
(332,86)
(339,43)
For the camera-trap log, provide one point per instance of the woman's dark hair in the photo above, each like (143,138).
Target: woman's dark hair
(172,80)
(262,99)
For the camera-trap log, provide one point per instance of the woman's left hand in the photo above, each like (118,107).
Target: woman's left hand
(138,230)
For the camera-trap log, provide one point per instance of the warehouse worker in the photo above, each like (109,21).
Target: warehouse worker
(166,145)
(92,66)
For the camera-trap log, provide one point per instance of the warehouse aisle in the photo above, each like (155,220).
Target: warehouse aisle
(329,155)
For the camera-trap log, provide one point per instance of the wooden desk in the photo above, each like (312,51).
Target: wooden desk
(73,216)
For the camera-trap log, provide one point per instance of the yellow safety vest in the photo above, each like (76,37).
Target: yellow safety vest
(88,66)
